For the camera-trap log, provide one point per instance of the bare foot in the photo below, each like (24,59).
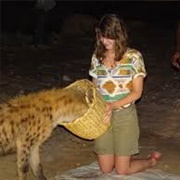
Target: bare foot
(154,157)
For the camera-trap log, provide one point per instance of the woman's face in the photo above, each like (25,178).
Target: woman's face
(107,42)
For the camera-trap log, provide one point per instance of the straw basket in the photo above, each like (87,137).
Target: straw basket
(90,125)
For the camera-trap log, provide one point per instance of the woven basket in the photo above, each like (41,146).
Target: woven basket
(91,124)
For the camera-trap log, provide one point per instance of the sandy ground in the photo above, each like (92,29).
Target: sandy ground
(64,151)
(159,108)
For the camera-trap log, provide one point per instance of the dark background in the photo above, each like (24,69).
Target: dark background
(21,14)
(20,25)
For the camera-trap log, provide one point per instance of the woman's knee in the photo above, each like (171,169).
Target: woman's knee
(122,164)
(106,163)
(122,171)
(106,167)
(106,170)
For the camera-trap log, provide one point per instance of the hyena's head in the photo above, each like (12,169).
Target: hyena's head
(71,106)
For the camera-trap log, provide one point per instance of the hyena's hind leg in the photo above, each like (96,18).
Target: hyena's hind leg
(23,150)
(35,164)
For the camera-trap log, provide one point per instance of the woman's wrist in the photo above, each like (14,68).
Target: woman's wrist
(115,105)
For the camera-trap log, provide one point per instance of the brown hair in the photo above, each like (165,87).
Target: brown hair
(111,26)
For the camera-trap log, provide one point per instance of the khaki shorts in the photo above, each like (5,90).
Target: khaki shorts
(123,135)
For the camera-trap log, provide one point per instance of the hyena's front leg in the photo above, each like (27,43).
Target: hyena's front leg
(22,159)
(35,164)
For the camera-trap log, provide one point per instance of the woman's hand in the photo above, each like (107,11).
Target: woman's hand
(176,60)
(108,114)
(113,105)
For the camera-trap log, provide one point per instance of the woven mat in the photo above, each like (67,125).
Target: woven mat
(92,172)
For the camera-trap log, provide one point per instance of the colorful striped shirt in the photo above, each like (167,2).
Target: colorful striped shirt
(116,83)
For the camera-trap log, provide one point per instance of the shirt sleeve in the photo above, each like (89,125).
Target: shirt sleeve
(138,66)
(93,67)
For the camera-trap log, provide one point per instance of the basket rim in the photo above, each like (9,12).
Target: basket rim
(82,131)
(78,119)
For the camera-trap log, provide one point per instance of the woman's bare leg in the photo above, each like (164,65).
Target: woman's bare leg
(127,165)
(106,163)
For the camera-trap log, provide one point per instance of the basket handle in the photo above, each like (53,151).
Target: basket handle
(90,101)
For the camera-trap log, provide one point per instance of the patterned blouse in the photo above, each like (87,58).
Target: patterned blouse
(116,83)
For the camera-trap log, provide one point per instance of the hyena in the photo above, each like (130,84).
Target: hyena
(27,121)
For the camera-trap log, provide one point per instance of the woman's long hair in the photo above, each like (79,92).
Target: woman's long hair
(110,26)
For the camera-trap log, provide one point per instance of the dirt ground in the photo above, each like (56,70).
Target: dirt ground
(26,70)
(63,152)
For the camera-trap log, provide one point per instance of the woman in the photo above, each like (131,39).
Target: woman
(118,73)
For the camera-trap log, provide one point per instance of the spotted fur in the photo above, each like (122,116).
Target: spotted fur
(27,121)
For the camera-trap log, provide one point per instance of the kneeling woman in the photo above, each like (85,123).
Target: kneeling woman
(118,73)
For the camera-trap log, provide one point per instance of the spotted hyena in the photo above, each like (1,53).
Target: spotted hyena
(27,121)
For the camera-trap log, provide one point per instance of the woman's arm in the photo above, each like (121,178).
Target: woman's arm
(108,109)
(133,96)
